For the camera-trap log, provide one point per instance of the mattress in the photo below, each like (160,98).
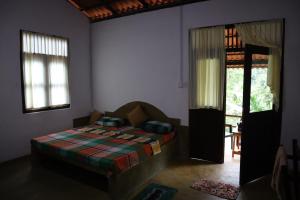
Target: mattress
(109,149)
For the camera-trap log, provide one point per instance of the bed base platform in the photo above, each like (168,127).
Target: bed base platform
(118,186)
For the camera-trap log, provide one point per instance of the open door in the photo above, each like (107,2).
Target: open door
(206,127)
(261,125)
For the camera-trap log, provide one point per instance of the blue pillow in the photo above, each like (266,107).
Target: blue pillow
(157,127)
(110,121)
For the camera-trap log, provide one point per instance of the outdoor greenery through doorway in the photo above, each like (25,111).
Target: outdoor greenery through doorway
(261,96)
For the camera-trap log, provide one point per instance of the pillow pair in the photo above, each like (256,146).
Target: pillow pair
(136,117)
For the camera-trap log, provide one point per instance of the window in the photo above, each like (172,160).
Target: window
(44,72)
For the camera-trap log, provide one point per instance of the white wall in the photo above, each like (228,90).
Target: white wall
(138,57)
(52,17)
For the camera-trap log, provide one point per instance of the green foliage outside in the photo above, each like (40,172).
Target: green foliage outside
(261,96)
(234,94)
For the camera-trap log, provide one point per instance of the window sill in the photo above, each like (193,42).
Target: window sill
(25,111)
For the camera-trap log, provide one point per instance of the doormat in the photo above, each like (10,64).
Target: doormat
(156,192)
(219,189)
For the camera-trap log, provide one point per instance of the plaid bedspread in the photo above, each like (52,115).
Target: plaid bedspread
(111,149)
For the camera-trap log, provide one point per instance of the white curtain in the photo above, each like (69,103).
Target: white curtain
(268,34)
(58,80)
(207,67)
(35,85)
(43,44)
(45,67)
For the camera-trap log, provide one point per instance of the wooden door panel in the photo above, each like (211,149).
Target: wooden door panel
(261,130)
(206,129)
(259,143)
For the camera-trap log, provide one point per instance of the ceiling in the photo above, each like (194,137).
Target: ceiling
(98,10)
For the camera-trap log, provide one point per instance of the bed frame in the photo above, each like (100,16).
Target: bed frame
(120,186)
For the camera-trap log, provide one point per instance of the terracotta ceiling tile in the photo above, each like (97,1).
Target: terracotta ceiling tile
(101,9)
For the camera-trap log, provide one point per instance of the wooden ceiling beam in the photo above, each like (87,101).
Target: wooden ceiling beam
(144,3)
(104,3)
(115,14)
(149,8)
(110,8)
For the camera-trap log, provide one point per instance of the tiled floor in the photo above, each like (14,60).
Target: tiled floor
(18,180)
(182,175)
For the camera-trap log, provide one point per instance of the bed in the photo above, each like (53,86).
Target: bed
(122,163)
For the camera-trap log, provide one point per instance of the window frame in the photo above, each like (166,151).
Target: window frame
(46,108)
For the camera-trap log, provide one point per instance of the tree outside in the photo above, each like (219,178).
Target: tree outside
(261,96)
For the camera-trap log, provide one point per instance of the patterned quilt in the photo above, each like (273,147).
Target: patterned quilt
(111,149)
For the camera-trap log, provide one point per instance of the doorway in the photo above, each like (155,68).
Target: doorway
(250,112)
(233,94)
(246,130)
(261,98)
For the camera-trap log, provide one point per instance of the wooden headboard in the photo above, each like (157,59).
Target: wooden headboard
(152,112)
